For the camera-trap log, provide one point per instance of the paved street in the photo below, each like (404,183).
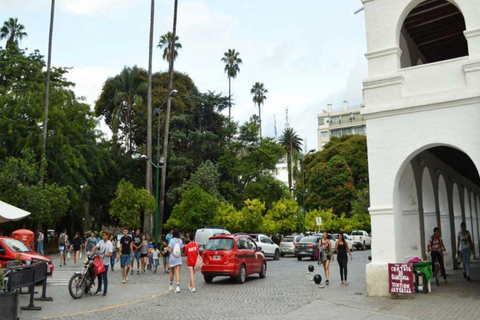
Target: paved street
(286,292)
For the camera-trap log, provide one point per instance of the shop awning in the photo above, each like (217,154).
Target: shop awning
(11,213)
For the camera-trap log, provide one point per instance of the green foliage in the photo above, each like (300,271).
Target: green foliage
(252,216)
(330,185)
(130,203)
(291,144)
(228,217)
(282,217)
(361,202)
(165,43)
(206,177)
(267,189)
(333,223)
(197,209)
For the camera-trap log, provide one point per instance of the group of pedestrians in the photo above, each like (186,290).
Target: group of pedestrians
(326,254)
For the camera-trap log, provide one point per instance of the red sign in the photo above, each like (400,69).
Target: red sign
(400,278)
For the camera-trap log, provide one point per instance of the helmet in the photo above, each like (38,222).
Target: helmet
(311,268)
(317,278)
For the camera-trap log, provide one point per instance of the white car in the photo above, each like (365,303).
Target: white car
(347,238)
(269,248)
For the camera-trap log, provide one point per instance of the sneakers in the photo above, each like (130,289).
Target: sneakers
(131,273)
(104,294)
(138,272)
(192,290)
(177,289)
(124,281)
(170,288)
(98,292)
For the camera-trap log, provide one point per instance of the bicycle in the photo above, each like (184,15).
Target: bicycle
(437,270)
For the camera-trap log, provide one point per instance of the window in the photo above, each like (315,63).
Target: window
(324,134)
(321,121)
(432,31)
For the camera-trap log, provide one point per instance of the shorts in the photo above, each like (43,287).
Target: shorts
(125,260)
(155,262)
(165,259)
(61,249)
(137,255)
(143,255)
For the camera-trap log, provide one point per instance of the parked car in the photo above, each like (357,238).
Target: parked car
(232,255)
(269,248)
(202,235)
(348,239)
(308,247)
(12,249)
(361,239)
(287,245)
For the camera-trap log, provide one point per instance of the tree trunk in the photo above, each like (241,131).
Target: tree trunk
(260,121)
(47,94)
(167,123)
(289,167)
(147,227)
(229,98)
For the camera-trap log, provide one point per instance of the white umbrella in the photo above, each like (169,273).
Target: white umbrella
(11,213)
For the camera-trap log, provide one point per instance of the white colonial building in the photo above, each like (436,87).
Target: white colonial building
(422,109)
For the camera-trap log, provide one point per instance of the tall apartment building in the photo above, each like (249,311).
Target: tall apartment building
(336,123)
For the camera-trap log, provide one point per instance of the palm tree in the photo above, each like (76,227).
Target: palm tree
(232,61)
(259,91)
(12,31)
(47,92)
(292,145)
(165,43)
(126,96)
(148,175)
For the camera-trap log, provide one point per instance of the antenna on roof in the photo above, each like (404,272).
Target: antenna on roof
(287,125)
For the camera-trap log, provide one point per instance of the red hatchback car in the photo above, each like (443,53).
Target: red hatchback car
(232,255)
(12,249)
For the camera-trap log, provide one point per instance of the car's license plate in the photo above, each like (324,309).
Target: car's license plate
(216,257)
(303,252)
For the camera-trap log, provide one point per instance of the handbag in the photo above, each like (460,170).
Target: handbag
(68,255)
(98,266)
(199,263)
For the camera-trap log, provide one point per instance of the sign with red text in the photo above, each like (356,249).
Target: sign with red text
(400,278)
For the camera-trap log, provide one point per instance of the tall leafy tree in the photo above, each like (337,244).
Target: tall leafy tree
(258,90)
(291,144)
(13,32)
(232,61)
(165,43)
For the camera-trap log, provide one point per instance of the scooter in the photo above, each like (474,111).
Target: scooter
(82,281)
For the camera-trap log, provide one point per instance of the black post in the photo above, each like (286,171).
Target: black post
(44,286)
(31,291)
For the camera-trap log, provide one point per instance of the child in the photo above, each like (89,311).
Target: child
(155,255)
(166,254)
(192,250)
(150,258)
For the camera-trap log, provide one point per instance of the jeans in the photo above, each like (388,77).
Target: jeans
(40,248)
(439,256)
(104,277)
(112,258)
(466,260)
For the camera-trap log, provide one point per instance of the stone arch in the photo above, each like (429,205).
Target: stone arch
(468,212)
(445,221)
(431,31)
(457,207)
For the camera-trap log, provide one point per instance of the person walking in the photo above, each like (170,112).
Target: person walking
(341,248)
(169,236)
(325,248)
(144,252)
(192,250)
(63,246)
(155,257)
(90,243)
(165,256)
(125,250)
(465,244)
(137,245)
(40,240)
(76,246)
(175,249)
(436,249)
(105,248)
(113,240)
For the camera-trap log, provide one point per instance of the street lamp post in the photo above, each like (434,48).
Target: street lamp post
(157,166)
(303,187)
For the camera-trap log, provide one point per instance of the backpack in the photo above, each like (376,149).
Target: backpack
(176,250)
(62,239)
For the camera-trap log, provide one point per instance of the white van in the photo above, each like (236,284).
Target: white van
(202,235)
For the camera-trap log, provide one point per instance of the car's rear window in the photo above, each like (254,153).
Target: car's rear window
(219,244)
(287,239)
(357,233)
(310,239)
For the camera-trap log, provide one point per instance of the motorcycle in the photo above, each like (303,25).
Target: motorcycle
(82,281)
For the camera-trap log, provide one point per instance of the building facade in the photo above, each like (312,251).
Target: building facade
(336,123)
(422,109)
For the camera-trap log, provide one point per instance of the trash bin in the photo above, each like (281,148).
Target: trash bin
(26,236)
(423,271)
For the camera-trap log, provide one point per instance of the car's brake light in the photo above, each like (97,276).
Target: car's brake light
(310,245)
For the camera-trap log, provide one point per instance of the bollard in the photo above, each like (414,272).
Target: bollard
(44,286)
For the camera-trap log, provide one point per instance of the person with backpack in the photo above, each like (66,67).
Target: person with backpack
(175,247)
(436,249)
(63,247)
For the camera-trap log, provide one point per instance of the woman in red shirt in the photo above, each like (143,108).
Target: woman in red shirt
(192,250)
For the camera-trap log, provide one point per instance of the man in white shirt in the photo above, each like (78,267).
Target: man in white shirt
(105,247)
(40,239)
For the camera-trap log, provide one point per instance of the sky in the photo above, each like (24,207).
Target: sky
(307,53)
